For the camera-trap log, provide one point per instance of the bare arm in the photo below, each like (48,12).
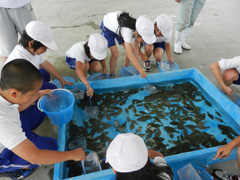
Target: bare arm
(152,154)
(168,52)
(129,51)
(224,151)
(82,77)
(29,152)
(40,93)
(50,69)
(216,71)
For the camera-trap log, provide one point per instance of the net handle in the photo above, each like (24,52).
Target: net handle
(61,89)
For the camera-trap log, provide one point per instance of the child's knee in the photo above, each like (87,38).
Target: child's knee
(115,55)
(149,48)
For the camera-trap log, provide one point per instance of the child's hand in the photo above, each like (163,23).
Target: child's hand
(143,74)
(228,90)
(171,60)
(89,90)
(63,83)
(78,154)
(223,152)
(44,92)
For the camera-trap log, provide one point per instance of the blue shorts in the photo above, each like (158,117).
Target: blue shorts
(109,36)
(159,45)
(46,79)
(238,80)
(31,118)
(71,62)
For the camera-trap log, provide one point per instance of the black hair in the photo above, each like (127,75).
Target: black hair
(87,49)
(25,39)
(125,20)
(19,74)
(149,172)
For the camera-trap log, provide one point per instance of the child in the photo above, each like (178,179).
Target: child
(35,41)
(231,68)
(223,152)
(163,31)
(21,150)
(123,27)
(83,56)
(129,158)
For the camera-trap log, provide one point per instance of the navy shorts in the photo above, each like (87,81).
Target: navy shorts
(237,81)
(159,45)
(46,79)
(71,62)
(109,36)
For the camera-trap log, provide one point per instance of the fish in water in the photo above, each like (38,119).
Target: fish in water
(116,125)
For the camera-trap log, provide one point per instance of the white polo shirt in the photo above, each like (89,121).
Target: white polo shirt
(77,51)
(11,133)
(20,52)
(225,64)
(13,3)
(110,22)
(163,39)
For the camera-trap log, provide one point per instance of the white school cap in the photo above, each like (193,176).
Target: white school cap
(127,153)
(145,27)
(98,46)
(164,24)
(41,32)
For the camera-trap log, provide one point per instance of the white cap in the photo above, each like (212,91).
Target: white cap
(145,27)
(127,153)
(41,32)
(98,46)
(164,24)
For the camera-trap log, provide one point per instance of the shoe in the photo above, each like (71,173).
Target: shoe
(223,175)
(112,76)
(17,174)
(185,45)
(147,66)
(157,62)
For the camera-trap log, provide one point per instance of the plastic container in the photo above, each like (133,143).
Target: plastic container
(150,89)
(129,71)
(189,172)
(57,83)
(98,76)
(80,142)
(58,107)
(91,112)
(91,164)
(77,93)
(167,66)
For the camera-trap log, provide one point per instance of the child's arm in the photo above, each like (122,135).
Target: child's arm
(40,93)
(50,69)
(82,77)
(29,152)
(224,151)
(152,154)
(216,71)
(168,52)
(129,51)
(103,63)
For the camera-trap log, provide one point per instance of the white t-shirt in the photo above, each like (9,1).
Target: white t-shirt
(20,52)
(163,39)
(77,51)
(110,22)
(225,64)
(159,161)
(11,133)
(13,3)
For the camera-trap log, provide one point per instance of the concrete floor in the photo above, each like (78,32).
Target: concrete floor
(214,36)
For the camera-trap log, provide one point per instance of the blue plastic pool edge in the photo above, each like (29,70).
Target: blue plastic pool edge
(198,157)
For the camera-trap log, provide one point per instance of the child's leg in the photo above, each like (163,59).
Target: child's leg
(238,159)
(158,51)
(148,50)
(85,67)
(230,76)
(126,61)
(94,66)
(113,59)
(46,79)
